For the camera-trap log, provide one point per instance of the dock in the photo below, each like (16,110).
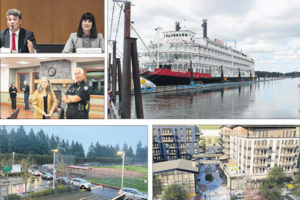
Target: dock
(196,86)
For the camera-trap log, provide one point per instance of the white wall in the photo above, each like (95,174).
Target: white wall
(4,79)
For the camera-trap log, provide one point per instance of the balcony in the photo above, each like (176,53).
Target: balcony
(288,154)
(261,155)
(260,164)
(168,140)
(262,147)
(284,146)
(287,163)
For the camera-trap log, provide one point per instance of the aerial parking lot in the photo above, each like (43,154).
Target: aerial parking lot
(59,166)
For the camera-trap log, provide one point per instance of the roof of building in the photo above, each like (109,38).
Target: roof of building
(260,126)
(183,165)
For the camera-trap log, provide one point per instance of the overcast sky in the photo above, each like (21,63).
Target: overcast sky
(267,30)
(86,135)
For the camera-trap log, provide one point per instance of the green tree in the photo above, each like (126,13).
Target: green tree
(209,141)
(4,140)
(296,189)
(175,192)
(130,153)
(61,167)
(33,140)
(139,151)
(26,176)
(271,187)
(202,143)
(91,151)
(53,142)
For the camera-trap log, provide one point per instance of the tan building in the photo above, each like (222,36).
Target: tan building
(254,150)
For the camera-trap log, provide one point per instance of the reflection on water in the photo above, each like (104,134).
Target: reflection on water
(270,99)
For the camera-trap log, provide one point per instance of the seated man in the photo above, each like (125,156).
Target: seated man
(18,40)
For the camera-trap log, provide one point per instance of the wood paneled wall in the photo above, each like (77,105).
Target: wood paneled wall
(52,21)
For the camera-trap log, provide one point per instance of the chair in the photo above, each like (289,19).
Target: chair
(14,115)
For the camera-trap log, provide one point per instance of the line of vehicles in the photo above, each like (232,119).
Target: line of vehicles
(130,193)
(45,174)
(78,182)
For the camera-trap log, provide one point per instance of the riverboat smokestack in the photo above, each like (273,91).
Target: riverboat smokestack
(204,26)
(177,26)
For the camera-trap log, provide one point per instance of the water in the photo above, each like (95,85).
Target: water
(269,99)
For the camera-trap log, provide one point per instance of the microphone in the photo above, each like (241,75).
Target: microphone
(74,45)
(12,28)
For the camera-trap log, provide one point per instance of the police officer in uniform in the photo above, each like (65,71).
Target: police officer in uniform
(78,97)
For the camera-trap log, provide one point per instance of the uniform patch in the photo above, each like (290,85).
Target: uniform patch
(86,88)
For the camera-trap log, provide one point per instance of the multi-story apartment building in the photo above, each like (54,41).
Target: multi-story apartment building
(254,150)
(175,142)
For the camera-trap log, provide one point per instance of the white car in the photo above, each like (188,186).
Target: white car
(36,173)
(81,183)
(134,194)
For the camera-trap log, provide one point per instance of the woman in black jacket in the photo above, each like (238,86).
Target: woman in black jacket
(13,95)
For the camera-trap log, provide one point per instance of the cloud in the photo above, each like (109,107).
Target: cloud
(266,30)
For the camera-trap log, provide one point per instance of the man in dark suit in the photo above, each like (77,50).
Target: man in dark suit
(15,38)
(26,91)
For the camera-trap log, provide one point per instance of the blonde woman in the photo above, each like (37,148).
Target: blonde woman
(44,100)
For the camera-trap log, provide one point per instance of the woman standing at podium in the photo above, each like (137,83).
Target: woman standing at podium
(86,36)
(44,100)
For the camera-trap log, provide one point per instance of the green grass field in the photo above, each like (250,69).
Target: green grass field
(141,169)
(137,183)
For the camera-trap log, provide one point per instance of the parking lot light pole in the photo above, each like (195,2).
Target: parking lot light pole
(54,171)
(122,153)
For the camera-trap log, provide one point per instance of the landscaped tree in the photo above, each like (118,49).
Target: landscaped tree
(175,192)
(61,167)
(202,144)
(209,141)
(296,189)
(271,187)
(26,176)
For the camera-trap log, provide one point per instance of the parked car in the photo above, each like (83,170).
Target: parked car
(81,183)
(36,172)
(63,180)
(47,176)
(132,193)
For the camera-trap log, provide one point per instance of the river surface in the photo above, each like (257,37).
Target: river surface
(277,99)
